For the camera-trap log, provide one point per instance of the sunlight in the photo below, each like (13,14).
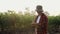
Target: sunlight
(51,6)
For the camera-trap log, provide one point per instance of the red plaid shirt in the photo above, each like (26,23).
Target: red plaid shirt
(42,24)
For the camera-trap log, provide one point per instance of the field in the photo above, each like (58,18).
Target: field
(17,23)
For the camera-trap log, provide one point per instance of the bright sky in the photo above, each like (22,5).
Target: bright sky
(52,6)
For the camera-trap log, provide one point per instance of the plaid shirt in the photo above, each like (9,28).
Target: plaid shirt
(42,24)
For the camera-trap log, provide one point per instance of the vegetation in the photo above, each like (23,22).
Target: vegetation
(17,21)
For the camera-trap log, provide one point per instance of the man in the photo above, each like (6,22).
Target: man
(40,22)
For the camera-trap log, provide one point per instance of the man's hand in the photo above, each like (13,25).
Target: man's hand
(35,25)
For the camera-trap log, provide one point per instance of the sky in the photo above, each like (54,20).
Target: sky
(51,6)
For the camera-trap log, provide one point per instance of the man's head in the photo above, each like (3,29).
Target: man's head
(39,9)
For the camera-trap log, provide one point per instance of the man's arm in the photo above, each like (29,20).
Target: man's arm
(34,21)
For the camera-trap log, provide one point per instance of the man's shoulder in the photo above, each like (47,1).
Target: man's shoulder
(44,15)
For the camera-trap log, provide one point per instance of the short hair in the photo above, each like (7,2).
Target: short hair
(38,7)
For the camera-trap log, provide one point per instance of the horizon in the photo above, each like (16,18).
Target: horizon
(51,6)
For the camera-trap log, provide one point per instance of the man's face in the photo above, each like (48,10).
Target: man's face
(39,11)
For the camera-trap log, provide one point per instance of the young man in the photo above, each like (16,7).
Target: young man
(40,21)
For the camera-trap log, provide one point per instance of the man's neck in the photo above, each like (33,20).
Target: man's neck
(39,14)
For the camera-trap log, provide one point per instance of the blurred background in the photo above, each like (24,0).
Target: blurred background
(16,16)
